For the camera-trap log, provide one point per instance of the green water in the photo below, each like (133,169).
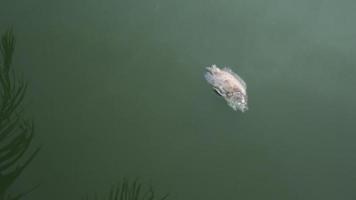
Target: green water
(116,89)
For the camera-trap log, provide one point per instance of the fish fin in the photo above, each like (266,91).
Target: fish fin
(217,92)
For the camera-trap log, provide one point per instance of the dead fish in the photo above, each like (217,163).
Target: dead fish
(229,85)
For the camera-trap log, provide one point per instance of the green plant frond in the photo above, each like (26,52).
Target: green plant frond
(16,150)
(7,128)
(16,132)
(11,101)
(15,100)
(7,49)
(10,177)
(131,191)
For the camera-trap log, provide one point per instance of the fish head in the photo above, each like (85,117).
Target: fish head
(238,101)
(243,107)
(242,103)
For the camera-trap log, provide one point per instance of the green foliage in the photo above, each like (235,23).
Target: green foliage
(131,191)
(16,131)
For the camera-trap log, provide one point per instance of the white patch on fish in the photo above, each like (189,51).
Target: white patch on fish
(229,85)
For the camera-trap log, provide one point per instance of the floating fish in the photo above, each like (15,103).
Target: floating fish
(229,85)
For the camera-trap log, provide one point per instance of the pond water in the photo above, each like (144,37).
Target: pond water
(117,89)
